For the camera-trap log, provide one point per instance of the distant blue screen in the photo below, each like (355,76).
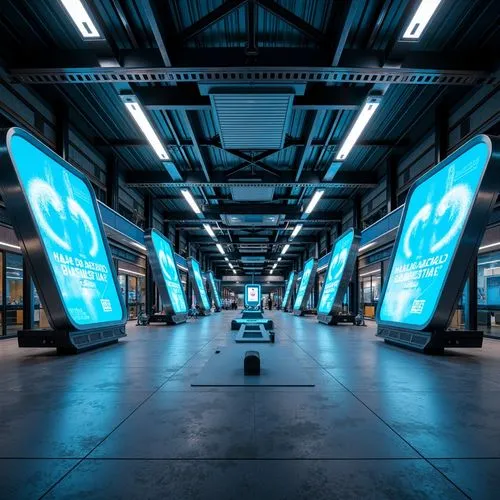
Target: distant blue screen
(335,272)
(291,279)
(200,285)
(63,209)
(252,295)
(169,272)
(436,215)
(214,289)
(306,275)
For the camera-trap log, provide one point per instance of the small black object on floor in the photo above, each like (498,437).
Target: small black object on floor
(251,363)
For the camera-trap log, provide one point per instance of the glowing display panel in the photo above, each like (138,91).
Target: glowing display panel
(67,221)
(200,285)
(166,273)
(436,212)
(291,281)
(330,295)
(306,276)
(252,295)
(213,287)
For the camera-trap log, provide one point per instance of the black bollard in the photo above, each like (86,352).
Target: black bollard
(251,364)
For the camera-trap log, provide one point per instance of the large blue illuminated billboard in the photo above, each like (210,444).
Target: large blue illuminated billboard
(444,219)
(306,283)
(166,275)
(252,295)
(198,285)
(288,291)
(340,269)
(213,289)
(54,212)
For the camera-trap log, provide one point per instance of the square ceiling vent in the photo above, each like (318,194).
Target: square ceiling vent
(252,193)
(252,120)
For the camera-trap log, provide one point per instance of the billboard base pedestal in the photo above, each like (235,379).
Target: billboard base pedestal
(431,342)
(70,341)
(169,319)
(335,319)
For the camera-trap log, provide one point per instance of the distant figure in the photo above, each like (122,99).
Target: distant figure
(270,304)
(262,305)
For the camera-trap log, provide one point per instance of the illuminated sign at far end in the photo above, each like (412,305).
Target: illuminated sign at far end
(252,295)
(444,219)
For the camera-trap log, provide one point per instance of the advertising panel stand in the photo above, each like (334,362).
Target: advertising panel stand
(306,284)
(167,279)
(338,276)
(200,291)
(441,229)
(54,212)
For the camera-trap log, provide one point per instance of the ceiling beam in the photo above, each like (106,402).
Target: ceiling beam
(156,23)
(212,17)
(343,19)
(159,178)
(305,154)
(213,216)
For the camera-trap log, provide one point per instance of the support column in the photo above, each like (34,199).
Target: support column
(354,285)
(148,223)
(112,183)
(470,300)
(62,132)
(28,299)
(392,184)
(441,132)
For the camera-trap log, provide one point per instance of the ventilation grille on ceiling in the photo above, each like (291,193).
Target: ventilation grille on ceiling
(252,193)
(252,121)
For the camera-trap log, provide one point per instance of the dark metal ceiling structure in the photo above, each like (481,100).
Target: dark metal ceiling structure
(251,98)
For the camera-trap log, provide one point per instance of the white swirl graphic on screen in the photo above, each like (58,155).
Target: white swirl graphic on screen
(43,196)
(422,216)
(167,266)
(457,202)
(78,213)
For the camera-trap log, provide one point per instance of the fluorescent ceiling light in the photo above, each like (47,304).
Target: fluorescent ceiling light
(274,266)
(226,259)
(81,18)
(9,245)
(144,124)
(332,170)
(314,201)
(192,203)
(364,247)
(279,259)
(234,272)
(285,249)
(421,19)
(209,230)
(296,231)
(231,266)
(479,263)
(271,271)
(357,129)
(371,272)
(129,271)
(490,245)
(219,247)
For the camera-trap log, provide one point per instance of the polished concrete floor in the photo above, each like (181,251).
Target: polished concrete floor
(124,421)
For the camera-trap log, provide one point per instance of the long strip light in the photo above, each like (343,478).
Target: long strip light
(191,201)
(81,18)
(231,266)
(271,271)
(371,272)
(144,124)
(129,271)
(490,245)
(296,231)
(421,19)
(275,265)
(314,201)
(361,122)
(234,272)
(285,249)
(209,230)
(10,245)
(279,259)
(226,259)
(364,247)
(219,247)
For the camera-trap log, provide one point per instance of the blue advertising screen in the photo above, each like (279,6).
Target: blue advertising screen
(200,285)
(65,215)
(435,216)
(252,295)
(291,280)
(336,268)
(214,289)
(169,272)
(306,275)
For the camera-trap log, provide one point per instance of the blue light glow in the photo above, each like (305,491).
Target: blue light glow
(436,214)
(169,271)
(215,292)
(64,212)
(335,273)
(306,275)
(291,280)
(200,285)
